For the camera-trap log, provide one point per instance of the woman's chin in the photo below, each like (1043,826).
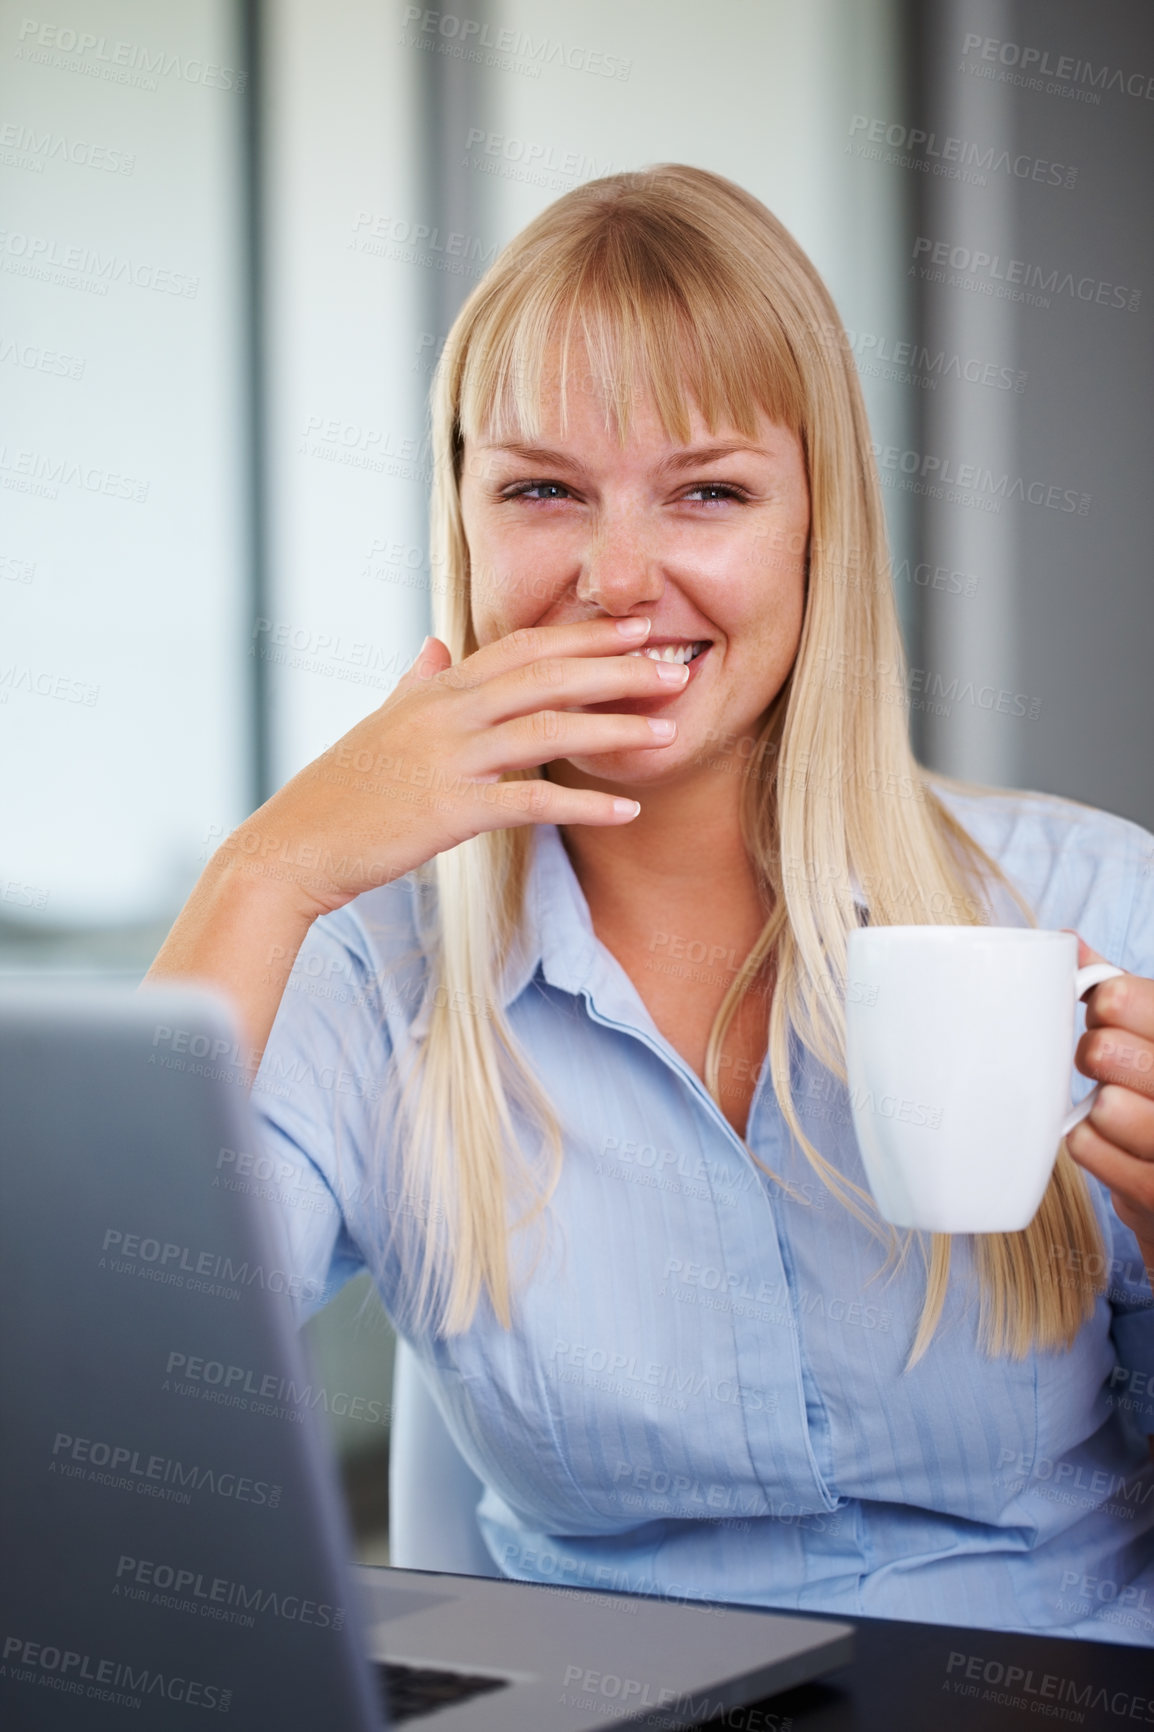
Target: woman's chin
(623,772)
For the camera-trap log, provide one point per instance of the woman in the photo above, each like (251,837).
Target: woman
(564,923)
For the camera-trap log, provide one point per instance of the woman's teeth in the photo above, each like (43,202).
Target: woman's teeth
(670,652)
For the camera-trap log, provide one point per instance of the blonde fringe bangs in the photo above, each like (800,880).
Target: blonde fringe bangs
(626,321)
(677,284)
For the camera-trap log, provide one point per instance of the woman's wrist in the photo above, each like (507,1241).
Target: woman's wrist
(239,932)
(281,881)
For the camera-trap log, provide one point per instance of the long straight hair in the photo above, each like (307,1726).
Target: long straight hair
(677,284)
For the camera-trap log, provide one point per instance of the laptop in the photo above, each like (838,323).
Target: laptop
(175,1544)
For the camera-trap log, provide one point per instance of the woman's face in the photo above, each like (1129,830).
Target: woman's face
(707,539)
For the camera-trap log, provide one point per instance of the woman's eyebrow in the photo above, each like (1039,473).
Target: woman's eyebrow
(686,459)
(698,454)
(534,454)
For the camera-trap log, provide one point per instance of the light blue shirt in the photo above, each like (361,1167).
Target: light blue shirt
(703,1392)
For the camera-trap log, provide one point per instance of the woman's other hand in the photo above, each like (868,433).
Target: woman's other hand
(1115,1141)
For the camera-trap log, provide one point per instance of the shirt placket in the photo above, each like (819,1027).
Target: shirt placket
(777,1392)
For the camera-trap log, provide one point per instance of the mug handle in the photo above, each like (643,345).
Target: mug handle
(1093,975)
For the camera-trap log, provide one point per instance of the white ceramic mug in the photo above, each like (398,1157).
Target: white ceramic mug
(959,1045)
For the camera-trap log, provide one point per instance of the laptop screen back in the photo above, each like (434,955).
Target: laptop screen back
(174,1543)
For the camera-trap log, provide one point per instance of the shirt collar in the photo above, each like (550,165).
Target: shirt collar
(557,936)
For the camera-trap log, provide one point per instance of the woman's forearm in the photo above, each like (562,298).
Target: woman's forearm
(240,933)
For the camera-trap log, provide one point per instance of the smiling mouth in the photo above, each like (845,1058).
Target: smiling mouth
(672,652)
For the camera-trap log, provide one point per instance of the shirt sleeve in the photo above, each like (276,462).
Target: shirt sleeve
(317,1096)
(1129,1284)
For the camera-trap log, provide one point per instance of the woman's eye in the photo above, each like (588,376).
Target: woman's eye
(538,490)
(710,491)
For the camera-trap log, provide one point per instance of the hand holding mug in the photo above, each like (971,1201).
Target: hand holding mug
(1115,1140)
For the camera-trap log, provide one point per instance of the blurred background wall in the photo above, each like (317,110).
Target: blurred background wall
(232,239)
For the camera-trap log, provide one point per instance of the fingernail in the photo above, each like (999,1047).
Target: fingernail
(673,673)
(663,729)
(627,808)
(634,629)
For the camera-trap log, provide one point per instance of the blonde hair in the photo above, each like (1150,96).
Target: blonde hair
(677,283)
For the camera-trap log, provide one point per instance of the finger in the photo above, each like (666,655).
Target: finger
(508,805)
(1125,1002)
(1128,1179)
(588,637)
(1124,1119)
(539,738)
(433,658)
(1114,1055)
(565,683)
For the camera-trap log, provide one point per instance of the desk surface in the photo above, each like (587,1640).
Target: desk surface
(908,1677)
(935,1678)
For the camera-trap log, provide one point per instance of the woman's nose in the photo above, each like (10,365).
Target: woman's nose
(621,569)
